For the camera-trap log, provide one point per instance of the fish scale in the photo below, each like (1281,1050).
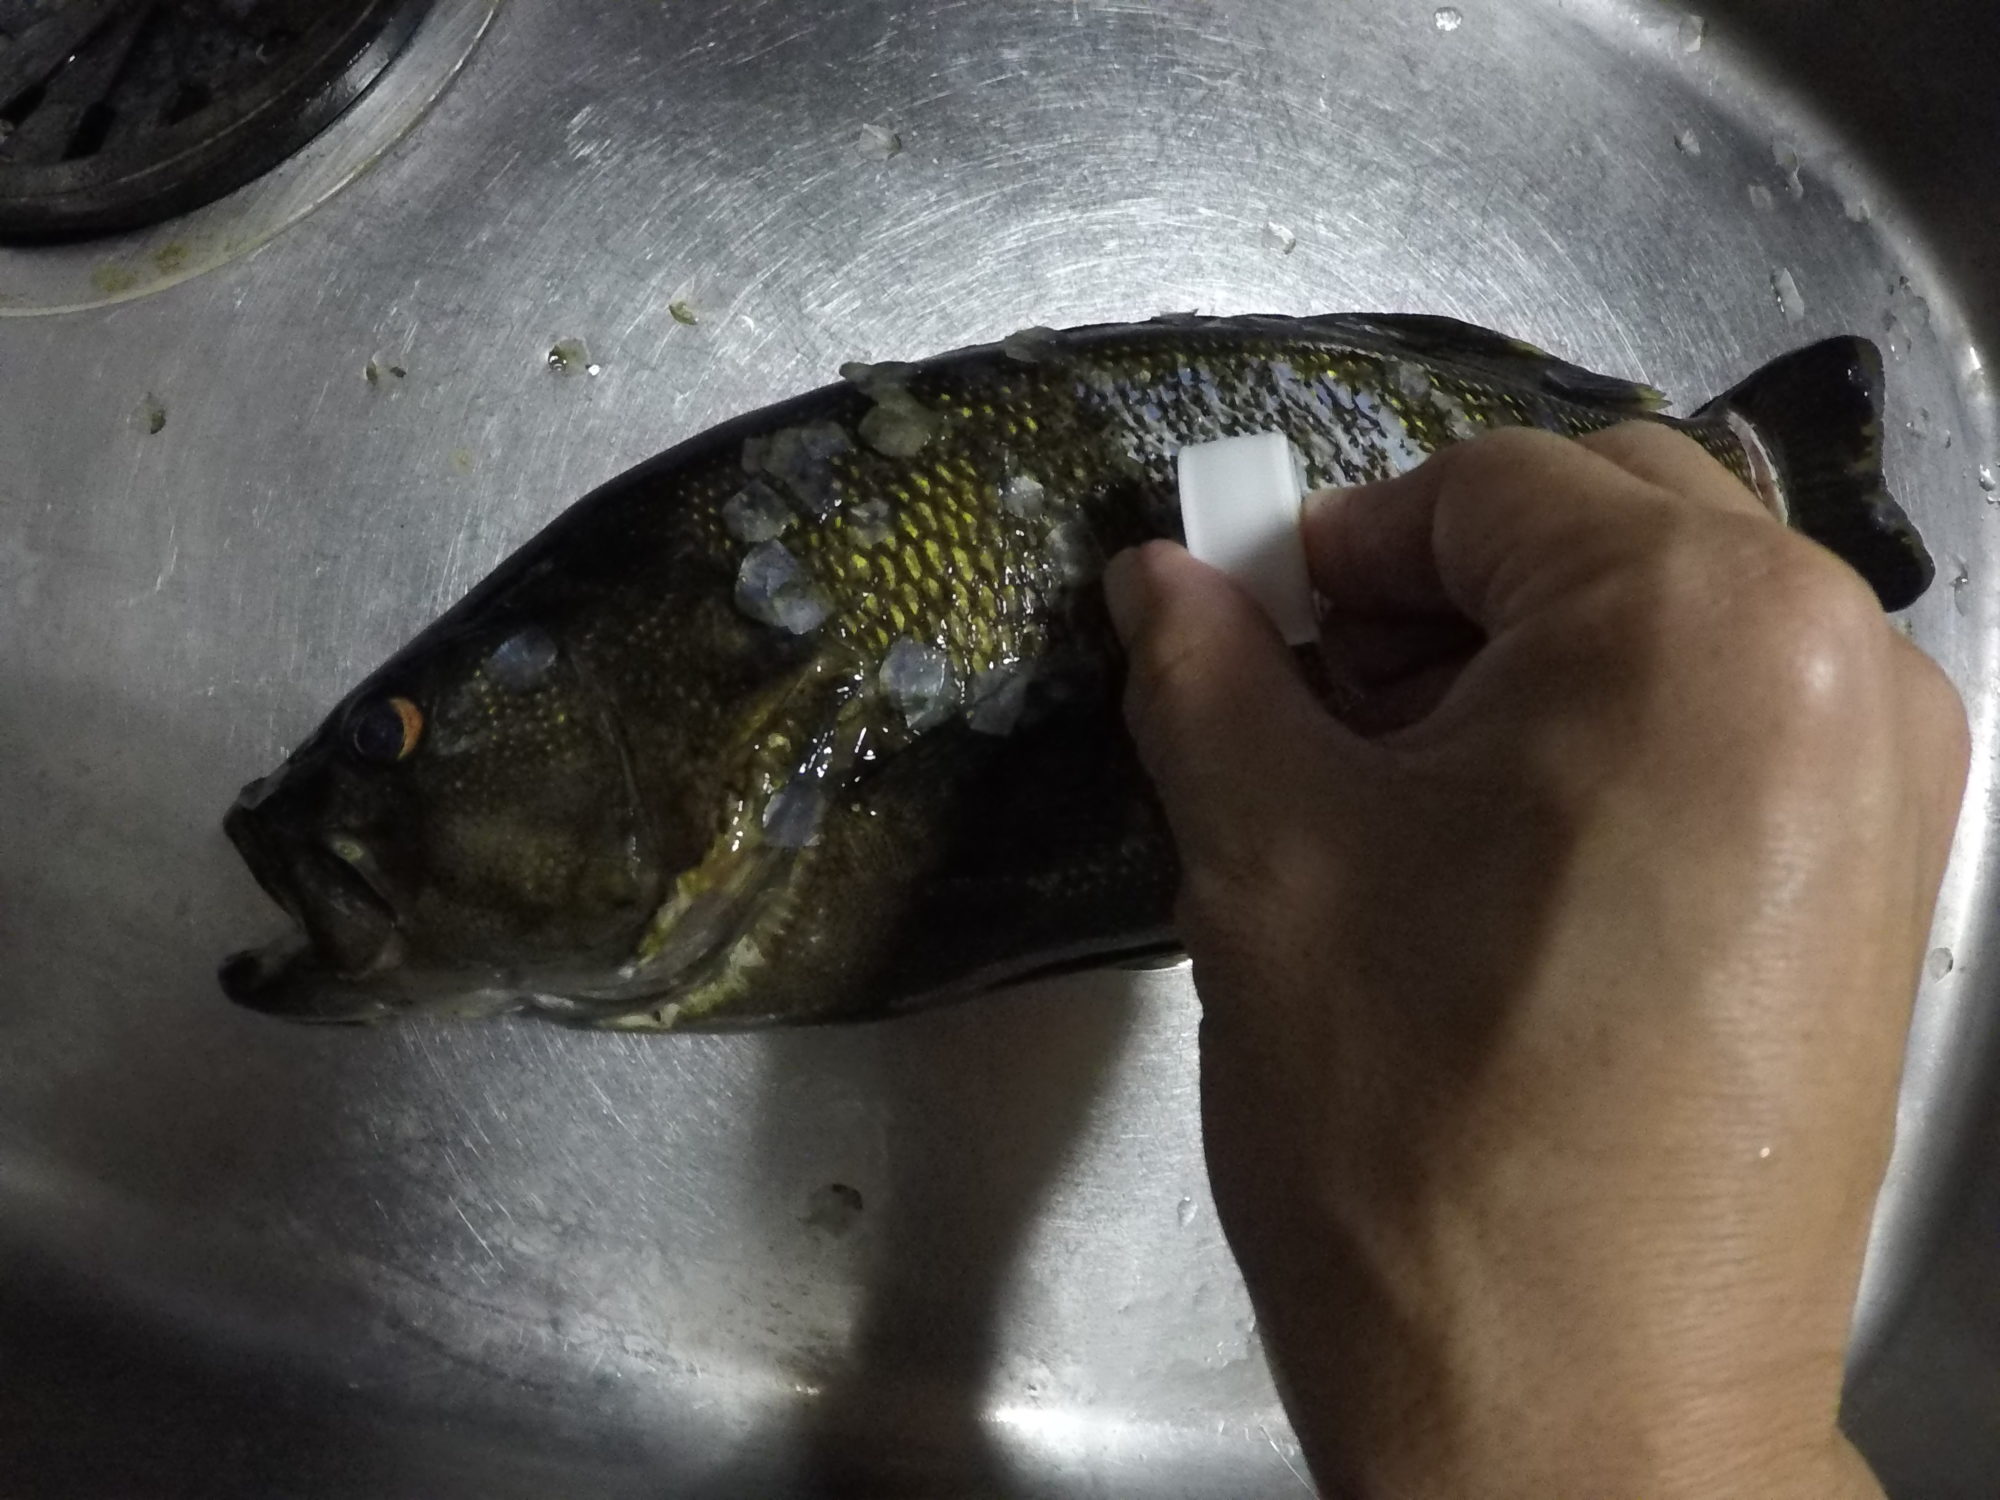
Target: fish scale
(816,715)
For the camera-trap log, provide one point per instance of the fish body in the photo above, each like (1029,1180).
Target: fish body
(814,716)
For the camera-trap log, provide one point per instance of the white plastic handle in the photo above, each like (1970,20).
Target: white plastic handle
(1240,501)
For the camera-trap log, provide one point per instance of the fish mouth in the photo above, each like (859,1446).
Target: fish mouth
(349,926)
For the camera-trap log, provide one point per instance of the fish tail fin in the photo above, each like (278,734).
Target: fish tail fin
(1817,415)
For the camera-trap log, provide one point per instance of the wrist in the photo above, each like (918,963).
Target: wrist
(1836,1473)
(1416,1417)
(1537,1466)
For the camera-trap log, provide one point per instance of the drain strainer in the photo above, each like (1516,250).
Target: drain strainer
(118,113)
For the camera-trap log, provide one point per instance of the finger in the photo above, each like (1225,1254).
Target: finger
(1673,461)
(1368,548)
(1222,718)
(1390,706)
(1366,649)
(1497,528)
(1935,726)
(1372,549)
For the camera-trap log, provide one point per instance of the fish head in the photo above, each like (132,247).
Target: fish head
(462,830)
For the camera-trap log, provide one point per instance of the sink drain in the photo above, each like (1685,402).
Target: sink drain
(120,113)
(54,270)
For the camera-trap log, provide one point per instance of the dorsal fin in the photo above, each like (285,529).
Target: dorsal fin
(1428,336)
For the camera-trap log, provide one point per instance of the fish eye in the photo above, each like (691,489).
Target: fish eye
(386,730)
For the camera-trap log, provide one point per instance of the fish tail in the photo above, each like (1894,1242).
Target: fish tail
(1816,414)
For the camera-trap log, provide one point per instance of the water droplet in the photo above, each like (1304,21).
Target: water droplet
(1761,198)
(1184,1212)
(1895,336)
(1786,156)
(1448,18)
(879,142)
(1905,302)
(1279,238)
(1939,963)
(834,1208)
(1691,33)
(1791,302)
(1688,143)
(1856,208)
(1920,424)
(570,357)
(1988,480)
(1961,591)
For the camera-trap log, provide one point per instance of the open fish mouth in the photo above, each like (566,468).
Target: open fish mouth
(349,926)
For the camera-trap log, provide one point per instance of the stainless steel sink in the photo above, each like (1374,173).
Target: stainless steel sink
(966,1254)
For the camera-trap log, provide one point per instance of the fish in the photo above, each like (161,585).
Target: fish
(814,716)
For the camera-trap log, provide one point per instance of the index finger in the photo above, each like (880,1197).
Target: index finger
(1661,456)
(1448,533)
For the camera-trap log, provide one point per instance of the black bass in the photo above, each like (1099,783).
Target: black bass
(815,715)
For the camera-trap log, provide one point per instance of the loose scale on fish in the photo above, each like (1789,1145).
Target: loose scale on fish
(815,715)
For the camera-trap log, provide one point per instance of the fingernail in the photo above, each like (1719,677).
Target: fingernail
(1125,594)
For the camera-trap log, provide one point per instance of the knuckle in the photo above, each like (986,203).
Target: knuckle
(1638,439)
(1813,618)
(1754,579)
(1504,443)
(1478,474)
(1807,632)
(1496,456)
(1936,710)
(1786,623)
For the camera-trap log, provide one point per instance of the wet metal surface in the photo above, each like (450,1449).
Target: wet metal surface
(969,1253)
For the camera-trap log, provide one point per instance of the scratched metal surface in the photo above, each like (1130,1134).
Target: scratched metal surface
(243,1259)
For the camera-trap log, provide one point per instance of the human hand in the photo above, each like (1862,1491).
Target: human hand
(1554,1004)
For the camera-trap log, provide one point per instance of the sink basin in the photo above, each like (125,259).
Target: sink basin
(970,1253)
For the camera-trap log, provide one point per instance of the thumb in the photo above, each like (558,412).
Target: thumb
(1225,724)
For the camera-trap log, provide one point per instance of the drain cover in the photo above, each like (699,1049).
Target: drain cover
(118,113)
